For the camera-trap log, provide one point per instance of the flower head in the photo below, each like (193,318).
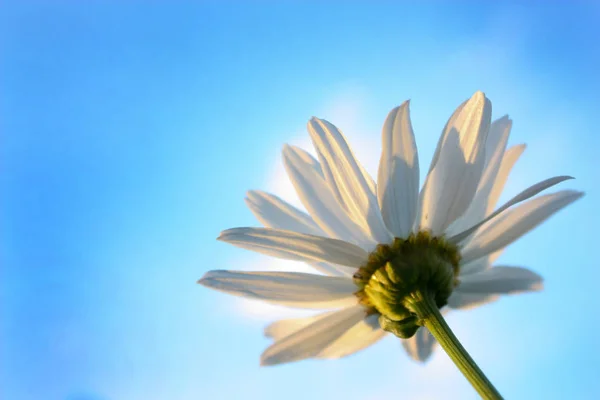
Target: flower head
(376,245)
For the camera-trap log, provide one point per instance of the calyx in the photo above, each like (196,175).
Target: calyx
(400,274)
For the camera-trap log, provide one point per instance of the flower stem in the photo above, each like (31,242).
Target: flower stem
(424,305)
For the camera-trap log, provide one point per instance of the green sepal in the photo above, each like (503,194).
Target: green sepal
(395,275)
(403,329)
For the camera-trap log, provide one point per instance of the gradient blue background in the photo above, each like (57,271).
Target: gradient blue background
(131,131)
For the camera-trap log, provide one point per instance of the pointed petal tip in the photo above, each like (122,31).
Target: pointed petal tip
(480,100)
(478,95)
(249,198)
(316,123)
(223,235)
(204,281)
(228,233)
(252,194)
(402,108)
(517,147)
(287,153)
(316,126)
(420,359)
(537,284)
(290,150)
(503,120)
(398,110)
(286,150)
(313,120)
(573,194)
(267,362)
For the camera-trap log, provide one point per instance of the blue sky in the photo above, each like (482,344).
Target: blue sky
(131,132)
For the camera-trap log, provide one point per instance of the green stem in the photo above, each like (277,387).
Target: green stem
(424,305)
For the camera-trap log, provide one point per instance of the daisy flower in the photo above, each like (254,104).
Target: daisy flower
(372,244)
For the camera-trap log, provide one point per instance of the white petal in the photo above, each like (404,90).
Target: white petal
(312,339)
(318,199)
(451,184)
(486,286)
(467,301)
(445,134)
(495,145)
(474,266)
(293,289)
(295,246)
(362,335)
(494,256)
(510,158)
(276,213)
(481,264)
(398,177)
(524,195)
(420,346)
(494,152)
(514,223)
(285,327)
(351,185)
(500,280)
(306,158)
(333,269)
